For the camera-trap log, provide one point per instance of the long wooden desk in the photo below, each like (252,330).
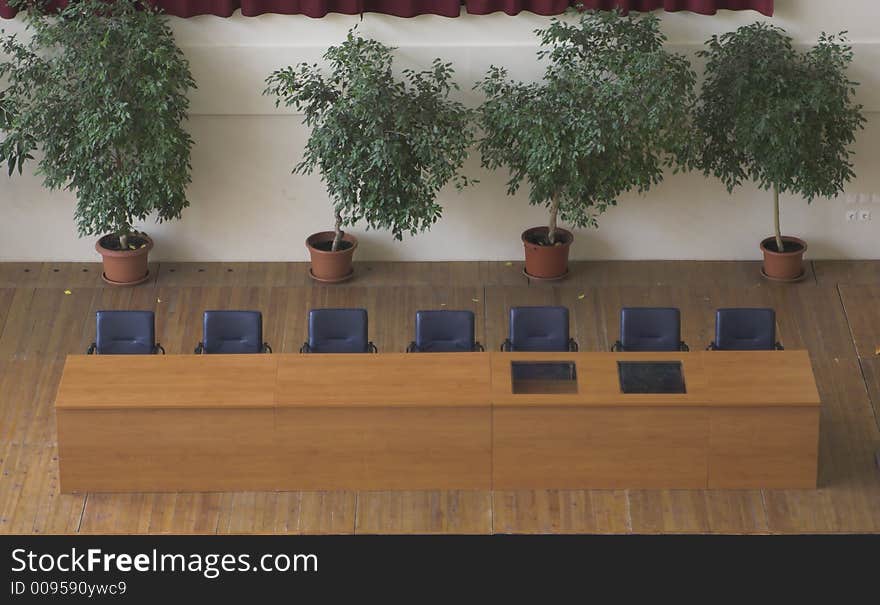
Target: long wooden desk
(430,421)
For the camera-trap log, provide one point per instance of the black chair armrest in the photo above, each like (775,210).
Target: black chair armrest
(200,348)
(478,346)
(92,349)
(157,347)
(266,348)
(412,348)
(305,348)
(617,347)
(572,345)
(506,345)
(682,346)
(371,347)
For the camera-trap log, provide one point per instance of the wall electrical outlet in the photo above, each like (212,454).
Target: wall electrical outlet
(852,216)
(864,214)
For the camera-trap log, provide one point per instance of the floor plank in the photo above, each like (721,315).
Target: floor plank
(561,511)
(20,275)
(26,407)
(669,273)
(460,274)
(181,275)
(73,275)
(278,275)
(424,512)
(669,511)
(59,275)
(862,305)
(327,513)
(6,296)
(871,371)
(847,272)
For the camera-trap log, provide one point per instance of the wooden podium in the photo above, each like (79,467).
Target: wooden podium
(432,421)
(746,420)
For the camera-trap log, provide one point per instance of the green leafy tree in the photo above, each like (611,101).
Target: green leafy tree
(100,90)
(775,115)
(384,146)
(611,112)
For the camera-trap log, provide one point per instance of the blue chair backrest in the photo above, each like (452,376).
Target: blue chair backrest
(539,329)
(338,331)
(650,329)
(125,333)
(745,330)
(444,331)
(233,332)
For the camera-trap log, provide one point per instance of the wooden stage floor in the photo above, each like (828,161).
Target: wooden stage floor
(47,311)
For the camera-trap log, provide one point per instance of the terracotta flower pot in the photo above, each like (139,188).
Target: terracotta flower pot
(787,265)
(126,267)
(327,266)
(546,262)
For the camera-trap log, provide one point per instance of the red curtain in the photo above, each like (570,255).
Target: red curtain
(310,8)
(704,7)
(319,8)
(513,7)
(410,8)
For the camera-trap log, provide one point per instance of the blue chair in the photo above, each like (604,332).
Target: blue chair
(338,331)
(644,329)
(232,332)
(745,330)
(444,332)
(125,333)
(539,329)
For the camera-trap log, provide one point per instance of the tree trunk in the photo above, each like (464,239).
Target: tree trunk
(551,226)
(338,233)
(126,229)
(780,246)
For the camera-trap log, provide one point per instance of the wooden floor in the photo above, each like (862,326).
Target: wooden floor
(47,311)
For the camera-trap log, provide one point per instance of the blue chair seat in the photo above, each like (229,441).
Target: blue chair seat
(539,329)
(745,330)
(444,331)
(644,329)
(232,332)
(125,333)
(338,331)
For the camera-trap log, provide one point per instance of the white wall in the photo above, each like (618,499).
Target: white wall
(247,206)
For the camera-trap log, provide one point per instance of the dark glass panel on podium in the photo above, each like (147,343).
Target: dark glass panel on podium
(543,377)
(651,377)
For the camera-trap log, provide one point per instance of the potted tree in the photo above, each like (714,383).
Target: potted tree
(780,117)
(610,112)
(100,90)
(384,145)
